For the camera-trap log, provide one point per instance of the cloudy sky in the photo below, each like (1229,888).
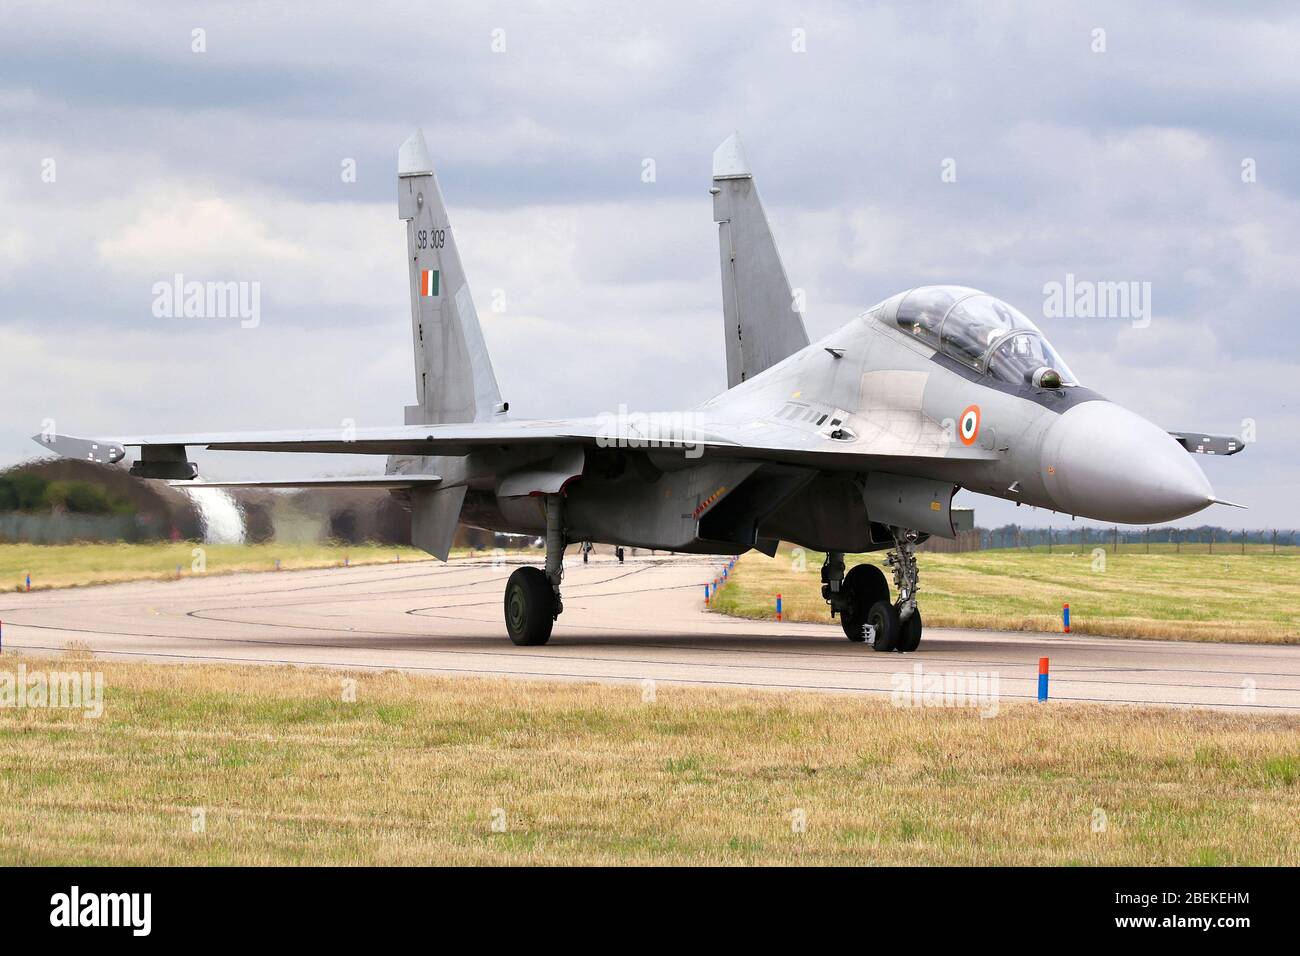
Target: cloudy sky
(1146,143)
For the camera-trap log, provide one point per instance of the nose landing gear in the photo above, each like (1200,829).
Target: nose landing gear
(861,597)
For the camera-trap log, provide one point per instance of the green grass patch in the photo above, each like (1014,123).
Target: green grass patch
(72,565)
(1253,598)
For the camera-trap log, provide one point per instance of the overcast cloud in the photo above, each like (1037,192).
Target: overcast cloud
(1123,165)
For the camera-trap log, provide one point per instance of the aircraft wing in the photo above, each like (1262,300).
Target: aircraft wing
(164,456)
(458,438)
(353,481)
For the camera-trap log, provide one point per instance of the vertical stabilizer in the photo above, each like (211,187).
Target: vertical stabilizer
(454,381)
(762,326)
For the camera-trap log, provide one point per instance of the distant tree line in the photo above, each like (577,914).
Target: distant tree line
(1015,536)
(21,491)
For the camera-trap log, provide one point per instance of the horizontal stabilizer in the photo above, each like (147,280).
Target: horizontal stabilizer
(357,481)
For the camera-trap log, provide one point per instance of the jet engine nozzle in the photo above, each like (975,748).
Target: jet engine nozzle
(1099,460)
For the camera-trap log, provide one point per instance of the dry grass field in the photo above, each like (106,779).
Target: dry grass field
(1251,597)
(418,769)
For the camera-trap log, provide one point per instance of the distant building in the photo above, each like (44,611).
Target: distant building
(968,539)
(963,519)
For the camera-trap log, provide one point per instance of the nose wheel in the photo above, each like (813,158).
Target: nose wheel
(909,632)
(882,626)
(861,598)
(862,589)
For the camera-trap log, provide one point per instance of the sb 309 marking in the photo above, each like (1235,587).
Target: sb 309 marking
(430,238)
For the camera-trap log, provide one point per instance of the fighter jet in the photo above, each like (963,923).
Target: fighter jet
(851,444)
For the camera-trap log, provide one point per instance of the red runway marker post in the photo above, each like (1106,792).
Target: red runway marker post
(706,595)
(778,607)
(1042,678)
(29,582)
(1065,618)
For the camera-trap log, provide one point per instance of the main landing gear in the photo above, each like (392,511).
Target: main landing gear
(532,594)
(861,598)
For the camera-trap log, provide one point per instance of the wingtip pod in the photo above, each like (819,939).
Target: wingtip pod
(87,449)
(729,159)
(413,157)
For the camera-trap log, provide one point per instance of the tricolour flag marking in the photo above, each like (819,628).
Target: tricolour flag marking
(429,282)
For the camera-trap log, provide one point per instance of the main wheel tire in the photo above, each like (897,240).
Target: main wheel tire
(865,584)
(883,618)
(909,632)
(530,607)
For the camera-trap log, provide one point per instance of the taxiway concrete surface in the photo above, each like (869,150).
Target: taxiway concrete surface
(622,623)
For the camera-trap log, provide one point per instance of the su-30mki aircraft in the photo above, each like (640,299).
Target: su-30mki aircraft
(851,444)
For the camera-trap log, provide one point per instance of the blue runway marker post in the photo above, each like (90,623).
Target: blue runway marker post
(778,607)
(706,595)
(29,582)
(1065,618)
(1042,678)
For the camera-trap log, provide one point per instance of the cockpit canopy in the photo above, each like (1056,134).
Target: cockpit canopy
(979,331)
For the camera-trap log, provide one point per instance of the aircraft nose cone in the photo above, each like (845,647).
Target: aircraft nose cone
(1102,461)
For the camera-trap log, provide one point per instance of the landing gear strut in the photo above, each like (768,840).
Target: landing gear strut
(833,581)
(533,595)
(902,560)
(861,598)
